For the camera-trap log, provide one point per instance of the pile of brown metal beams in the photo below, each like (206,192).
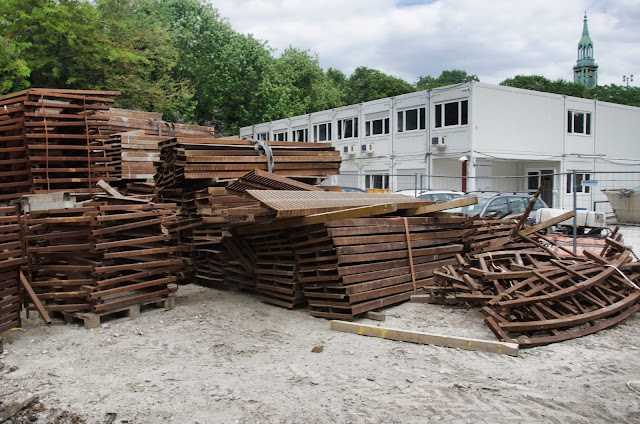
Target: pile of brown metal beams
(151,123)
(535,297)
(352,266)
(53,140)
(134,154)
(185,162)
(101,254)
(11,258)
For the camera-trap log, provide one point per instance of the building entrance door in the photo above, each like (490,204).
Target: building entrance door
(546,179)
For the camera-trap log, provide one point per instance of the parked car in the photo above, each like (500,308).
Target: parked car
(492,202)
(435,195)
(353,189)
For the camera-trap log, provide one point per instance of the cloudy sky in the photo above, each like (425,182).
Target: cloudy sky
(494,39)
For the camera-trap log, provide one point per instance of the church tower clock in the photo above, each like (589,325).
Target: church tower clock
(586,70)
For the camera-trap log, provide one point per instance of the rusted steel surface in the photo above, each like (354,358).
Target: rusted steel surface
(11,260)
(52,140)
(103,255)
(532,297)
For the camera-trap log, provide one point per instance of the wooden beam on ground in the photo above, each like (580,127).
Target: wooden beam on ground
(437,207)
(34,299)
(320,218)
(426,338)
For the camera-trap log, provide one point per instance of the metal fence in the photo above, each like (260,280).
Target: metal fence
(614,194)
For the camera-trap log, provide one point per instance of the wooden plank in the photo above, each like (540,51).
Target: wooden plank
(426,338)
(437,207)
(34,299)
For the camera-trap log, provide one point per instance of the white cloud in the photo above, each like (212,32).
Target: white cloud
(494,39)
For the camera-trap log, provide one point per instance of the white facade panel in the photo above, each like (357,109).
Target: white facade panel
(617,131)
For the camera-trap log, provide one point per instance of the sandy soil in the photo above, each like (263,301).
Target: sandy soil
(224,357)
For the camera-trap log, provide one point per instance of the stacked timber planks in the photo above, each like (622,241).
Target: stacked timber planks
(353,266)
(102,255)
(52,140)
(11,258)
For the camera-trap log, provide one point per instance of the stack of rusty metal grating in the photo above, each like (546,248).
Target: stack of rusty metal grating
(52,140)
(151,123)
(186,162)
(353,266)
(276,270)
(102,254)
(483,230)
(11,259)
(240,268)
(134,155)
(535,297)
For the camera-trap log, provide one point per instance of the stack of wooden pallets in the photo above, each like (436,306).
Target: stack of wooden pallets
(52,140)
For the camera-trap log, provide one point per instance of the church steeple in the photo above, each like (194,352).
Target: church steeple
(586,70)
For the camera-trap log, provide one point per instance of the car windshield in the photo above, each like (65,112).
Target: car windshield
(471,209)
(440,197)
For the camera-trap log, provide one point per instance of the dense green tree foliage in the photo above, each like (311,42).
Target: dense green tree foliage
(607,93)
(454,76)
(367,84)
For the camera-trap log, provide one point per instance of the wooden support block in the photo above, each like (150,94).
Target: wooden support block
(421,298)
(426,338)
(376,316)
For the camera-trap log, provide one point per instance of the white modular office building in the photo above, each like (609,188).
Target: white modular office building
(478,133)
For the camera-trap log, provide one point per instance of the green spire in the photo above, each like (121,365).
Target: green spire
(586,70)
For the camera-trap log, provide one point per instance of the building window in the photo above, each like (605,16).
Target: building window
(301,134)
(262,136)
(376,181)
(578,122)
(452,114)
(322,132)
(411,119)
(280,136)
(347,128)
(580,177)
(376,127)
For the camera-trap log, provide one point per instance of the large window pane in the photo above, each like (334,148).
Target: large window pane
(400,121)
(451,114)
(422,118)
(464,112)
(588,126)
(578,123)
(412,119)
(438,116)
(377,127)
(569,122)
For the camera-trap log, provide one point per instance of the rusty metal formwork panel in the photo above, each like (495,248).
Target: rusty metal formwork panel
(261,180)
(11,259)
(290,203)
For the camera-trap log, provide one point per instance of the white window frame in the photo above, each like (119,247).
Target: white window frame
(441,123)
(281,135)
(421,119)
(342,127)
(369,126)
(587,122)
(316,132)
(300,134)
(264,136)
(580,176)
(377,181)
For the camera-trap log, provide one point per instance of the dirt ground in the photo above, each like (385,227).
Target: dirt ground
(223,357)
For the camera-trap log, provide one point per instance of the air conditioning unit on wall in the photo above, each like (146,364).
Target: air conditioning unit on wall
(439,142)
(367,148)
(349,150)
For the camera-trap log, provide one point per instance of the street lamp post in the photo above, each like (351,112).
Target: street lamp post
(627,79)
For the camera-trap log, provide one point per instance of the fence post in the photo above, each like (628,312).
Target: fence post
(415,183)
(575,211)
(421,185)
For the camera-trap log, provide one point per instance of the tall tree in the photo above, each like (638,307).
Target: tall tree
(450,77)
(367,84)
(540,83)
